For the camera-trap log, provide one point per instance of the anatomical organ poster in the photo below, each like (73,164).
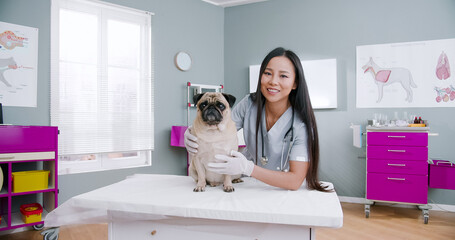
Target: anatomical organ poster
(18,65)
(409,74)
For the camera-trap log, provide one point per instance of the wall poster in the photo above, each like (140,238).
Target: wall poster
(409,74)
(18,65)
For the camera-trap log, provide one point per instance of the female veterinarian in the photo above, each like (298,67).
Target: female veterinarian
(282,146)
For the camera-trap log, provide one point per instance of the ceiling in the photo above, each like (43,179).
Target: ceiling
(230,3)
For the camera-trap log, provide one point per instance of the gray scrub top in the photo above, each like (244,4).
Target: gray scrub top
(276,141)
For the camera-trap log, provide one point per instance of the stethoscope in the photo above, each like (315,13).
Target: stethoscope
(265,160)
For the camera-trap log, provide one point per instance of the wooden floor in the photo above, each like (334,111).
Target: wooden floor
(389,223)
(385,222)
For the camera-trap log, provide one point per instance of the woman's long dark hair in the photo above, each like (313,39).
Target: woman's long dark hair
(300,101)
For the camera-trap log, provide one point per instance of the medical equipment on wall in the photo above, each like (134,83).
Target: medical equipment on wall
(197,89)
(356,135)
(265,160)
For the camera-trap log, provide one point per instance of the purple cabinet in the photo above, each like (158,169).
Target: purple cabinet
(27,147)
(397,168)
(27,138)
(442,174)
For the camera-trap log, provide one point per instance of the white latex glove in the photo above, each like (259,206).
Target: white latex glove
(190,141)
(232,165)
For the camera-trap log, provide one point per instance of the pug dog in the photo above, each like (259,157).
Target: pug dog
(216,134)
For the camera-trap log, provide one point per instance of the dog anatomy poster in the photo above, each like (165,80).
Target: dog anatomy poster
(18,65)
(410,74)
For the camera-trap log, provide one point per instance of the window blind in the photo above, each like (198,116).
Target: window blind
(101,77)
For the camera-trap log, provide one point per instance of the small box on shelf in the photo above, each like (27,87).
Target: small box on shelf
(26,181)
(31,213)
(417,125)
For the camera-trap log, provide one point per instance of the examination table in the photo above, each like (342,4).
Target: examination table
(153,206)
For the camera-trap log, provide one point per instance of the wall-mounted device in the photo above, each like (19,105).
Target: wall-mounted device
(197,89)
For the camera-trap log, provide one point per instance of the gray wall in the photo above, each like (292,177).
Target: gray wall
(190,25)
(320,29)
(224,42)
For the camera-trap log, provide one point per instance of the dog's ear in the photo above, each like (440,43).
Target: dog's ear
(230,99)
(197,97)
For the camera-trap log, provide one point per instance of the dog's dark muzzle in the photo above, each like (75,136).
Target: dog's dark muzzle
(211,115)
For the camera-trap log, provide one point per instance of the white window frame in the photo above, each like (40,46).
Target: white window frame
(102,161)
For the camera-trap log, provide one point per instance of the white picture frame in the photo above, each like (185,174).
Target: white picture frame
(321,79)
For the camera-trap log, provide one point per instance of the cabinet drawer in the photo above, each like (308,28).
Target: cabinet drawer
(397,152)
(397,188)
(397,138)
(397,166)
(8,157)
(29,138)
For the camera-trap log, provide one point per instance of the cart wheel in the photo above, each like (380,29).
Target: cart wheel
(38,227)
(50,237)
(51,233)
(426,215)
(367,211)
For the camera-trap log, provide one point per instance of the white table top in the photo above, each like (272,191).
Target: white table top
(161,196)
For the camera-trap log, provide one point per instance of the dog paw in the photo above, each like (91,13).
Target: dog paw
(228,189)
(237,180)
(199,189)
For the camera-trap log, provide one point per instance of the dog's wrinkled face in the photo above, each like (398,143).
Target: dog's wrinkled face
(213,106)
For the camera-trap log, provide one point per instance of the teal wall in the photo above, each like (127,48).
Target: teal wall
(178,25)
(224,42)
(321,29)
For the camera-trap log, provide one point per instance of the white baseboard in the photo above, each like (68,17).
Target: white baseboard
(434,206)
(352,199)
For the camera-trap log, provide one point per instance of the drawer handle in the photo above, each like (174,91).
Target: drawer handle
(396,136)
(444,162)
(391,150)
(7,157)
(396,179)
(396,164)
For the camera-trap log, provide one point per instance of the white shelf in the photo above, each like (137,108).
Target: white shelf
(16,218)
(413,129)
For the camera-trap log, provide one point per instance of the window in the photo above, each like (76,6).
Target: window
(101,85)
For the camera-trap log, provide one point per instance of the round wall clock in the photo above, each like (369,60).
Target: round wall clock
(183,61)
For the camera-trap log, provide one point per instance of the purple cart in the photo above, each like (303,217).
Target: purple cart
(397,167)
(27,146)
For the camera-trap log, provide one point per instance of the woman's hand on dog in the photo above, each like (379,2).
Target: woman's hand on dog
(232,165)
(190,141)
